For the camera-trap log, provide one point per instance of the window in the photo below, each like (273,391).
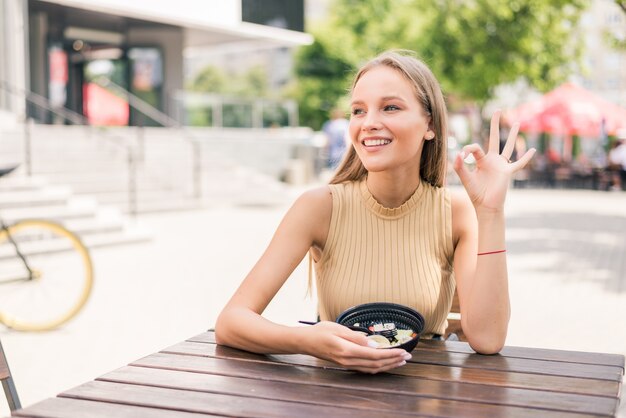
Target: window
(285,14)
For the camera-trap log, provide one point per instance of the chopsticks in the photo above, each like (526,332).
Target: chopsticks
(352,327)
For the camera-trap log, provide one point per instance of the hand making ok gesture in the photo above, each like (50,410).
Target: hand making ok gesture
(487,184)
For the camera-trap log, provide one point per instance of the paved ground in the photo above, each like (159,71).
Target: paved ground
(567,280)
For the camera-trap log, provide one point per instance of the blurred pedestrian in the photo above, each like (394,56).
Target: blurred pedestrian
(336,130)
(553,162)
(387,230)
(617,165)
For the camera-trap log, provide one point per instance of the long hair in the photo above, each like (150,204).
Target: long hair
(433,160)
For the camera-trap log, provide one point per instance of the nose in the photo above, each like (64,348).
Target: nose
(371,122)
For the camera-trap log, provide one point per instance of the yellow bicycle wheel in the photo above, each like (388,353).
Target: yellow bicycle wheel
(61,279)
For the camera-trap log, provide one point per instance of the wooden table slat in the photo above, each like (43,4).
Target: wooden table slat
(340,379)
(212,403)
(428,371)
(360,396)
(77,408)
(483,362)
(565,356)
(605,359)
(580,363)
(198,378)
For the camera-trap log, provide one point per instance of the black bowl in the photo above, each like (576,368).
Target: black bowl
(369,314)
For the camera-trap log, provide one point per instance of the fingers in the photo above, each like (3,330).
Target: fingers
(370,360)
(370,363)
(521,162)
(374,354)
(475,150)
(459,163)
(376,367)
(350,349)
(494,133)
(459,167)
(354,336)
(510,142)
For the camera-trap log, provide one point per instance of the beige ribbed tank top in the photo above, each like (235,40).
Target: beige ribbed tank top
(376,254)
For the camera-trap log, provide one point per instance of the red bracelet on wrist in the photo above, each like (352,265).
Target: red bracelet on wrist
(492,252)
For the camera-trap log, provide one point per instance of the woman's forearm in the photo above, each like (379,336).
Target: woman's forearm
(488,312)
(242,328)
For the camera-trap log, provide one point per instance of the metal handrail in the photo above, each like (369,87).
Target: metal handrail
(77,119)
(138,103)
(166,121)
(134,102)
(44,102)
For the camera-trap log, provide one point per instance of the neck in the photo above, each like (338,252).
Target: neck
(392,191)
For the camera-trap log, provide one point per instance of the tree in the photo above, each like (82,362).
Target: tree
(251,83)
(471,45)
(209,79)
(619,41)
(322,79)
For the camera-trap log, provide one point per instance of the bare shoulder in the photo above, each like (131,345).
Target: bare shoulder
(314,209)
(463,214)
(318,200)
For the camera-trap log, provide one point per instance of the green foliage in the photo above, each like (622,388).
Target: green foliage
(209,80)
(471,45)
(252,83)
(475,45)
(323,77)
(233,115)
(617,42)
(199,116)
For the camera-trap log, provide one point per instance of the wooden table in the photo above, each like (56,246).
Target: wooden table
(197,378)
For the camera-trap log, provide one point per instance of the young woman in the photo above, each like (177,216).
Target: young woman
(386,229)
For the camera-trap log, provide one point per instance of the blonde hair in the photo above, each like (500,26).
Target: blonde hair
(433,160)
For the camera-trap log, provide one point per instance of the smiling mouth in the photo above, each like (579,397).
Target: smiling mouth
(375,142)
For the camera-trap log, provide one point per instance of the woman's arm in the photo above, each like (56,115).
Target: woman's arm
(241,325)
(479,225)
(482,281)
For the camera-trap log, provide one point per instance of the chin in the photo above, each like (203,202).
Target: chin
(374,166)
(377,167)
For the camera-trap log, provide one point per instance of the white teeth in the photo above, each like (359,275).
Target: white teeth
(373,142)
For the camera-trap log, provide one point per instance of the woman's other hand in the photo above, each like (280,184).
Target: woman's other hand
(350,349)
(487,184)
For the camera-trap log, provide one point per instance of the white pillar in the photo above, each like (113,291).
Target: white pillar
(13,65)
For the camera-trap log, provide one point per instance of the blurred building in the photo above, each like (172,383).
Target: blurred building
(60,50)
(603,66)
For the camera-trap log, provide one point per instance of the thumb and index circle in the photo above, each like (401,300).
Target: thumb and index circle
(475,150)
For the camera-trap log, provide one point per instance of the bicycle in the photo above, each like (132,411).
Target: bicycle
(46,273)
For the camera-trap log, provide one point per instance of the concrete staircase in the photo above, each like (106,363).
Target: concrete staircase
(237,166)
(23,197)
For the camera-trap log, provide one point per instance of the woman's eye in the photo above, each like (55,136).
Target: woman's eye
(357,111)
(391,107)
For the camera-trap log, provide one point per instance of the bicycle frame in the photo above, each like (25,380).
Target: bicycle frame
(5,228)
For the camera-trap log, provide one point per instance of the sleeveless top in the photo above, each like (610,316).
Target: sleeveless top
(376,254)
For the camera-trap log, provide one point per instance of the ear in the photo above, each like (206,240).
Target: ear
(429,135)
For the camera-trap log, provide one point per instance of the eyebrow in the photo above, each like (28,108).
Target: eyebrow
(383,99)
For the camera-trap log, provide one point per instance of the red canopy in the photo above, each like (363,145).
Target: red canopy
(569,110)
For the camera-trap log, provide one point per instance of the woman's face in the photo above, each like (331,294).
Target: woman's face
(387,123)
